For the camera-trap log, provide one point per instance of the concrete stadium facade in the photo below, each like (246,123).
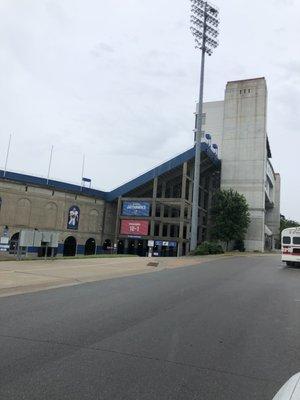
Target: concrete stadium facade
(29,202)
(153,211)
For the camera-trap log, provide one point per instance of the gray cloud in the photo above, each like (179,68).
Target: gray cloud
(101,48)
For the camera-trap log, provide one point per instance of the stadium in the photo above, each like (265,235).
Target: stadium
(153,211)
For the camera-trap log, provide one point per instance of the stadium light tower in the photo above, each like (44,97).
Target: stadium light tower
(204,27)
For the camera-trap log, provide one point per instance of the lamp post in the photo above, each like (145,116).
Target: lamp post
(204,27)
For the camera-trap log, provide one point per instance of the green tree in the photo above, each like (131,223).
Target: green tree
(287,223)
(230,215)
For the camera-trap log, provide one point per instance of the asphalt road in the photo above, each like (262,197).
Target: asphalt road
(227,329)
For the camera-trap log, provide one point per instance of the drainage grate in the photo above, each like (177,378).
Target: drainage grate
(152,264)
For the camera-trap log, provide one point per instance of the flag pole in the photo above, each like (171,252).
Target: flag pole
(50,162)
(82,170)
(7,154)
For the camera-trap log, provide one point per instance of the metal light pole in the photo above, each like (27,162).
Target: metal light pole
(205,22)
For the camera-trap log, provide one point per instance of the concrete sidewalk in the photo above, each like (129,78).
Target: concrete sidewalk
(30,276)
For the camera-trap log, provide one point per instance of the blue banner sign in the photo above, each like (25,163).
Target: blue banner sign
(161,243)
(136,208)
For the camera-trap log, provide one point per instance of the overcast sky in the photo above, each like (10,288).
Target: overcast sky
(117,80)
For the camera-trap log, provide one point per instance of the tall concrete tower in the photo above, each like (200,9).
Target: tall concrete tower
(245,154)
(244,150)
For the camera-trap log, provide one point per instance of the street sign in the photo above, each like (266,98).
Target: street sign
(150,243)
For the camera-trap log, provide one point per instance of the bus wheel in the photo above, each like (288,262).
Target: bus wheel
(289,263)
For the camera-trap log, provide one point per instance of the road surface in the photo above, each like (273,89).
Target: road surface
(226,329)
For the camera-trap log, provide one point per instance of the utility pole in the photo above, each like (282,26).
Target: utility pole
(204,27)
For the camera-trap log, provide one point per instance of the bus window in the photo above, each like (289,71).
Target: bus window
(286,240)
(296,240)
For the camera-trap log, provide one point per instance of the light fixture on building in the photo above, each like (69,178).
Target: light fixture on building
(86,181)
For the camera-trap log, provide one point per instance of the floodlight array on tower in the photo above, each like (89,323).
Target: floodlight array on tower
(204,25)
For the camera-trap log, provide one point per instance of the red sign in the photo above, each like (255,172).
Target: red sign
(134,227)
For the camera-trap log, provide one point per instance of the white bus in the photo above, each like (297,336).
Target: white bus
(290,246)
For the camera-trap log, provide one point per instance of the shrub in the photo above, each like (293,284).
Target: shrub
(202,250)
(206,248)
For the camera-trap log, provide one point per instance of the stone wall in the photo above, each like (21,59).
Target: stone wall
(28,206)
